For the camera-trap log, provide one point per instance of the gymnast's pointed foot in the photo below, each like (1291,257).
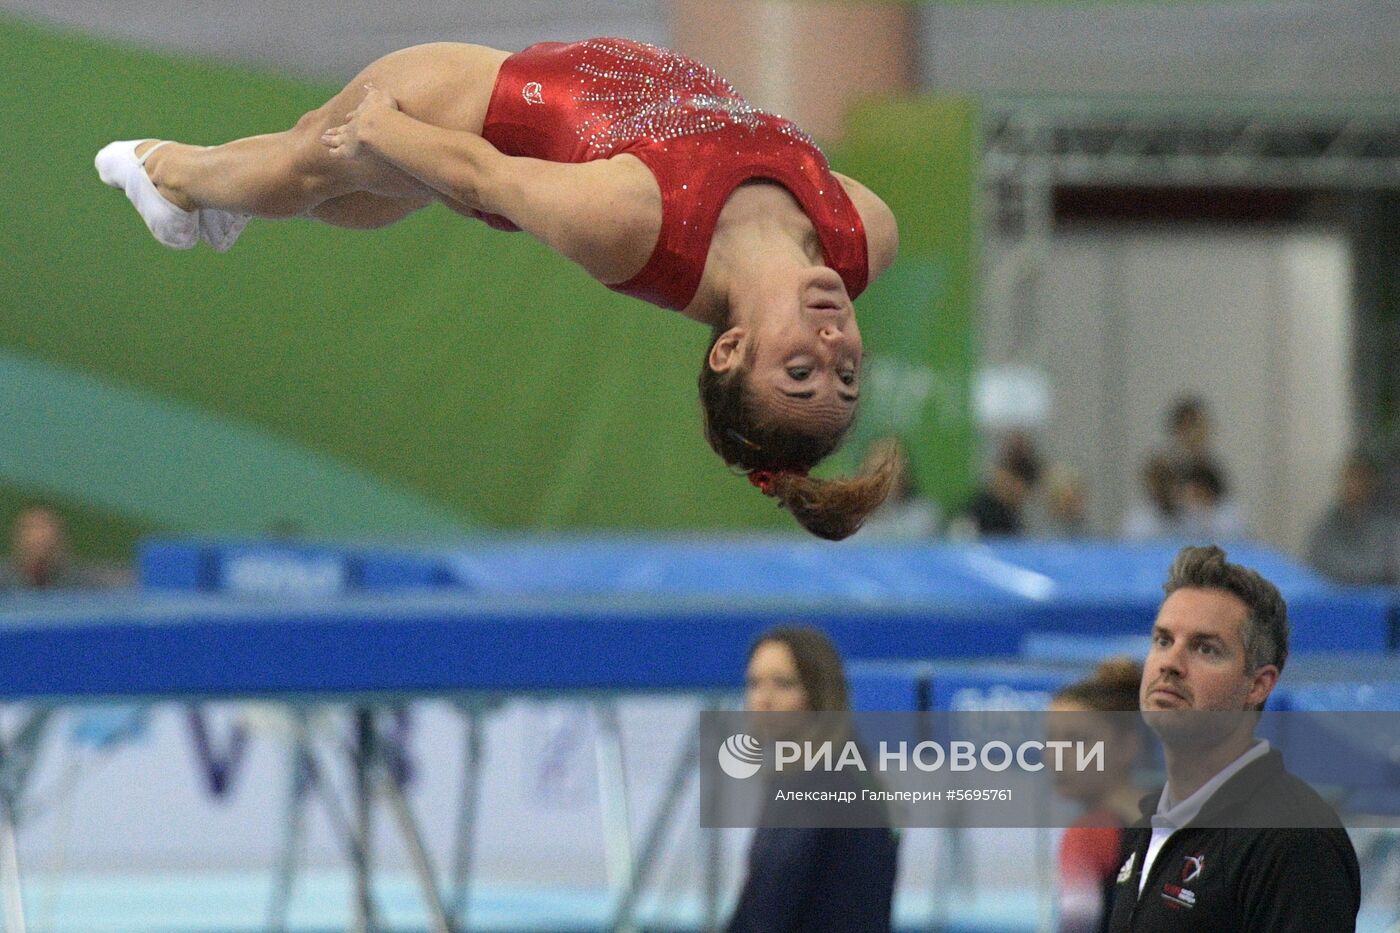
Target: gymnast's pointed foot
(220,229)
(118,165)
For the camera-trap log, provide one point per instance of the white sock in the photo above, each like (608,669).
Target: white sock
(220,228)
(118,166)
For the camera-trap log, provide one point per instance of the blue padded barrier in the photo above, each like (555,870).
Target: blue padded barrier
(1062,648)
(956,685)
(249,568)
(1112,570)
(1334,620)
(396,572)
(1016,571)
(1341,620)
(197,646)
(899,686)
(1339,733)
(1092,589)
(284,570)
(997,685)
(181,566)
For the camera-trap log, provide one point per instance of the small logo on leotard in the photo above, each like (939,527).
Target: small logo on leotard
(533,93)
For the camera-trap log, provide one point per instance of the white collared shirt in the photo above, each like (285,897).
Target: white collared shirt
(1168,819)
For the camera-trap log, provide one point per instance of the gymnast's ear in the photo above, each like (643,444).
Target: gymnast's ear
(727,352)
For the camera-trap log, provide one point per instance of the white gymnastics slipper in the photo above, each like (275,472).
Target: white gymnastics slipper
(220,229)
(118,166)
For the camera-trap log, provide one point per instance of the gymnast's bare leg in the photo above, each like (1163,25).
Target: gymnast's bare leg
(185,191)
(360,210)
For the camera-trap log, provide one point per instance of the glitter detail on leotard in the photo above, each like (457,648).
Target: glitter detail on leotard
(698,138)
(634,91)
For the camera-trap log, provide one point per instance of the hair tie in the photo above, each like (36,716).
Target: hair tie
(763,479)
(766,480)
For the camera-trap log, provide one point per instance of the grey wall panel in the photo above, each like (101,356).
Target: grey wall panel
(1308,48)
(1258,323)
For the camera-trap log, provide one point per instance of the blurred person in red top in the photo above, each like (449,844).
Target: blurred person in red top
(1103,708)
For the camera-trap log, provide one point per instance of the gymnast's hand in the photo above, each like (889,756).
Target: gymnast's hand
(345,141)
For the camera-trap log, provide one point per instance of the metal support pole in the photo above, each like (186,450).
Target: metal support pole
(612,788)
(17,758)
(687,760)
(438,921)
(294,824)
(365,750)
(460,901)
(714,865)
(9,870)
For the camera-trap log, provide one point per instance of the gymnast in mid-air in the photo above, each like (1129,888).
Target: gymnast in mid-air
(644,167)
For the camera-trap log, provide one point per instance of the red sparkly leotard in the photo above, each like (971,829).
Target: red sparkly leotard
(592,100)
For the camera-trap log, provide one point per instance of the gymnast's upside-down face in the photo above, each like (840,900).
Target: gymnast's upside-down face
(802,350)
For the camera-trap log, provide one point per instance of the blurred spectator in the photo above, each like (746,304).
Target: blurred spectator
(907,514)
(40,559)
(1158,513)
(1019,453)
(1189,428)
(1354,542)
(1208,514)
(1207,509)
(1102,708)
(1064,513)
(997,509)
(835,878)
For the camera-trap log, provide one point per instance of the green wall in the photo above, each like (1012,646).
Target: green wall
(918,319)
(417,381)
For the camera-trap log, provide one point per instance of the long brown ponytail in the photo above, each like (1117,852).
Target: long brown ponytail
(833,508)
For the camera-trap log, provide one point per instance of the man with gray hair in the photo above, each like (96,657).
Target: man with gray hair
(1234,842)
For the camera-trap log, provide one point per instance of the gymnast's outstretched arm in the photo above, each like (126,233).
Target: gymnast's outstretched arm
(604,215)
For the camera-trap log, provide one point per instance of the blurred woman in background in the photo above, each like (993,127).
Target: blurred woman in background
(821,879)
